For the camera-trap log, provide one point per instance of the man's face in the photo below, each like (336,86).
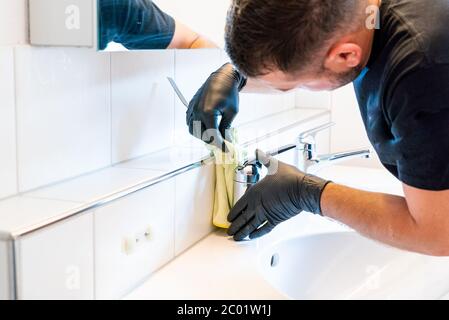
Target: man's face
(325,80)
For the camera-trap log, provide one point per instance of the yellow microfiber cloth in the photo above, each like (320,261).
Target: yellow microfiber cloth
(225,166)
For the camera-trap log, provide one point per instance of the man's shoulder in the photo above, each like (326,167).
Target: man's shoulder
(424,25)
(415,42)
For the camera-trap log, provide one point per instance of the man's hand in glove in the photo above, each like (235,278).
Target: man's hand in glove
(281,195)
(218,97)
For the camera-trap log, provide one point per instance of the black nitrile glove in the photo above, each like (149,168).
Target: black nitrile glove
(219,96)
(281,195)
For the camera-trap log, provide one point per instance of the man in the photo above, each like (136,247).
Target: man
(140,24)
(401,77)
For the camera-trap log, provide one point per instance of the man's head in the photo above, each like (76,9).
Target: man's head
(316,44)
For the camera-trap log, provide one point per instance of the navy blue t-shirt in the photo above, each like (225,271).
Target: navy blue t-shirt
(136,24)
(403,93)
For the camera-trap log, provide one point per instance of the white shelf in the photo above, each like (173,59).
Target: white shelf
(92,187)
(52,203)
(168,159)
(20,212)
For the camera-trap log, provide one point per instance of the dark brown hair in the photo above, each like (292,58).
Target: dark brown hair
(262,35)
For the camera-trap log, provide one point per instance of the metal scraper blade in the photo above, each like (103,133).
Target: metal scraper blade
(178,92)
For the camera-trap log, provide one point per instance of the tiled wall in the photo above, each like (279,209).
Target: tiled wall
(313,99)
(63,113)
(142,103)
(68,111)
(77,110)
(349,132)
(72,111)
(8,170)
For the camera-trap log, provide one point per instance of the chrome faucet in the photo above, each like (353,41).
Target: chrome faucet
(306,157)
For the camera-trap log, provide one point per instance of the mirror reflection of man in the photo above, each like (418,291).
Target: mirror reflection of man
(141,24)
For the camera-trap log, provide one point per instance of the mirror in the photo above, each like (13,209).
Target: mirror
(150,24)
(128,24)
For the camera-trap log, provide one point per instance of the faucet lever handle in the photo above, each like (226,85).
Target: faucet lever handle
(305,136)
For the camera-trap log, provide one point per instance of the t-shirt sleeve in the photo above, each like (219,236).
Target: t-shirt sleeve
(419,116)
(136,24)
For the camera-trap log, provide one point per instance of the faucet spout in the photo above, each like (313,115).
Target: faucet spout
(342,156)
(306,158)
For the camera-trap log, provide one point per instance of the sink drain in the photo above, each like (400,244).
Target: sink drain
(274,260)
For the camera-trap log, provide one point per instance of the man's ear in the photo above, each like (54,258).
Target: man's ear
(344,56)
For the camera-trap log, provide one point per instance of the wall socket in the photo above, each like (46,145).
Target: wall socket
(131,244)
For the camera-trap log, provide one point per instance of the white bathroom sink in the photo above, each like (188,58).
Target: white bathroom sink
(345,265)
(314,258)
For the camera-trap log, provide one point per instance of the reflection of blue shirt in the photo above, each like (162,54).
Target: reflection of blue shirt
(136,24)
(404,92)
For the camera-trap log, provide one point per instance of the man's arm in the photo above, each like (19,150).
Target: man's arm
(186,38)
(419,222)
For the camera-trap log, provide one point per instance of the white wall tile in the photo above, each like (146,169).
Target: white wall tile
(13,22)
(194,205)
(142,103)
(193,67)
(63,113)
(313,99)
(258,105)
(349,132)
(290,99)
(58,262)
(8,164)
(255,106)
(119,265)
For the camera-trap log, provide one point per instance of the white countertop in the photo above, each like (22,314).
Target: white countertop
(215,268)
(218,268)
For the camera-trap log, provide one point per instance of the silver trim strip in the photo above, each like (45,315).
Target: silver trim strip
(103,201)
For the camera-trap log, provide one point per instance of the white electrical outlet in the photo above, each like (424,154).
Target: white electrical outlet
(131,244)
